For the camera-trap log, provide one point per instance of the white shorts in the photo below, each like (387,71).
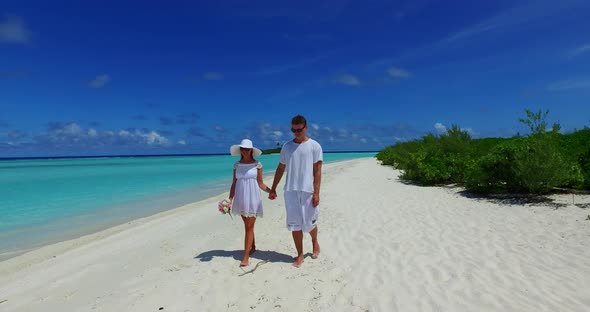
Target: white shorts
(301,214)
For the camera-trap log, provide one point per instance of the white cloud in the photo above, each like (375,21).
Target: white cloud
(347,79)
(470,131)
(315,126)
(153,138)
(569,84)
(440,127)
(14,135)
(182,142)
(213,76)
(14,30)
(73,134)
(286,67)
(398,72)
(518,15)
(473,30)
(71,129)
(100,81)
(508,20)
(583,49)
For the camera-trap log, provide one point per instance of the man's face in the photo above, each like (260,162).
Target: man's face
(298,130)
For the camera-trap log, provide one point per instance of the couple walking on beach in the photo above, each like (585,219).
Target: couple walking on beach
(301,158)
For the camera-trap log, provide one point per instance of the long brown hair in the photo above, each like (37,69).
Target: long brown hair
(251,155)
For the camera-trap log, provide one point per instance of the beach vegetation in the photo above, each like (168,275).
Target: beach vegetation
(272,151)
(537,163)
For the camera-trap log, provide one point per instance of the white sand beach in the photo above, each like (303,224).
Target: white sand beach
(386,246)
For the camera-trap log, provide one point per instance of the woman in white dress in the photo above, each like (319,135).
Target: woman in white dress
(244,193)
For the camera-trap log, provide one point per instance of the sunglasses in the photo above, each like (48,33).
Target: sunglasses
(244,149)
(297,130)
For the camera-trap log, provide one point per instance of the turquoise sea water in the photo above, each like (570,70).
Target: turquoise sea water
(48,200)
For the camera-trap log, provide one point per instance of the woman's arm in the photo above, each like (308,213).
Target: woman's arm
(232,190)
(261,184)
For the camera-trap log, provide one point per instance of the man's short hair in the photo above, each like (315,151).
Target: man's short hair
(298,120)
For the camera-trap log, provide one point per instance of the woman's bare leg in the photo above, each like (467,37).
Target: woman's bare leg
(248,238)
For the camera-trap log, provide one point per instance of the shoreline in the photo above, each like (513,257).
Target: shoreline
(107,225)
(24,237)
(386,245)
(97,212)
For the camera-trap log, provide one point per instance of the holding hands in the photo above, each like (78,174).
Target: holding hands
(272,194)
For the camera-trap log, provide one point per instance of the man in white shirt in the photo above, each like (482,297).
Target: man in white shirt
(302,158)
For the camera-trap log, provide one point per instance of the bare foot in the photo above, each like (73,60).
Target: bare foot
(243,264)
(298,261)
(316,251)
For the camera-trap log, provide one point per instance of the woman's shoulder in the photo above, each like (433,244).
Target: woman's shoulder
(254,163)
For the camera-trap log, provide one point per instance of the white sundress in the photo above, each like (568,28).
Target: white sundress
(247,201)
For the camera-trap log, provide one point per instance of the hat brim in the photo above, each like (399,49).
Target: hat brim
(234,150)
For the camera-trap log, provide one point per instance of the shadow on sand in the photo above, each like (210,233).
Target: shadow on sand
(264,255)
(514,199)
(510,198)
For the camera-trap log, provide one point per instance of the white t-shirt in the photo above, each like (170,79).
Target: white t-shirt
(299,160)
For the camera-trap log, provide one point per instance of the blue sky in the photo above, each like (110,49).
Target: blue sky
(153,77)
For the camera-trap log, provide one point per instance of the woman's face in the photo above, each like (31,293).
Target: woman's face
(246,152)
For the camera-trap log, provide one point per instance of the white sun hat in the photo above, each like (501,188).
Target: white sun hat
(235,149)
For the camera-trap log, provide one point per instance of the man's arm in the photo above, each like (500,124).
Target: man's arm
(278,176)
(317,182)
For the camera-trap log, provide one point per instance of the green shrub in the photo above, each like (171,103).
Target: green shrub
(529,165)
(534,164)
(496,172)
(399,154)
(436,160)
(576,147)
(540,167)
(584,164)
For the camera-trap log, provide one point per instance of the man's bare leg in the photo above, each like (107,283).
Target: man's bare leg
(298,240)
(314,241)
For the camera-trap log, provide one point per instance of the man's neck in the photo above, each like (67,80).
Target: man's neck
(303,139)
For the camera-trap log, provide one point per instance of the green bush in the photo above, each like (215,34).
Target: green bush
(496,172)
(541,166)
(576,147)
(584,164)
(399,154)
(425,167)
(436,160)
(528,165)
(534,164)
